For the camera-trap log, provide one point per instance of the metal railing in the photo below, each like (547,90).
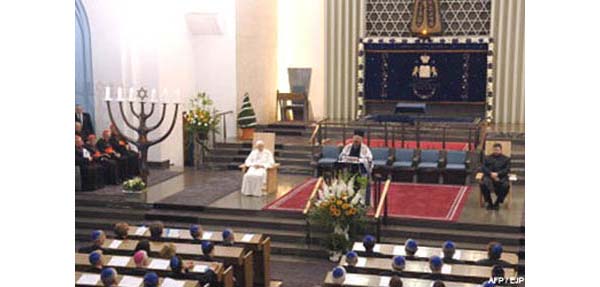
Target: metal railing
(471,133)
(223,125)
(307,208)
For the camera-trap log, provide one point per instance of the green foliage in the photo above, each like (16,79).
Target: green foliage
(135,184)
(246,116)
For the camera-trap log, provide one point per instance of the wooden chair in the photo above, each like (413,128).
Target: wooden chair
(290,104)
(512,177)
(269,140)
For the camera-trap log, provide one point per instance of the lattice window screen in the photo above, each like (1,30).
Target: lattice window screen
(391,18)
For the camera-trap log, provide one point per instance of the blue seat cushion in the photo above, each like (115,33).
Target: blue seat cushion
(456,166)
(404,154)
(330,152)
(456,157)
(380,153)
(380,162)
(430,156)
(402,164)
(327,161)
(427,165)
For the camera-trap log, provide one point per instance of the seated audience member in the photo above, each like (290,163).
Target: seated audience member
(121,230)
(144,245)
(411,247)
(497,271)
(98,237)
(151,279)
(369,244)
(435,264)
(495,171)
(494,253)
(140,259)
(209,277)
(92,173)
(167,251)
(108,276)
(228,237)
(78,130)
(258,161)
(104,146)
(96,261)
(111,167)
(208,251)
(448,248)
(488,284)
(395,281)
(438,283)
(156,230)
(398,264)
(179,268)
(351,260)
(119,143)
(338,275)
(196,233)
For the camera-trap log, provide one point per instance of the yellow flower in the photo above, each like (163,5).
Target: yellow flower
(345,206)
(332,208)
(339,202)
(349,212)
(324,204)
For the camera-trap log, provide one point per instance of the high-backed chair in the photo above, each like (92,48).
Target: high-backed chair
(428,167)
(512,177)
(269,141)
(381,160)
(327,158)
(403,165)
(457,164)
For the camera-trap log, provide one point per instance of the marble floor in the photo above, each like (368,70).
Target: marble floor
(222,189)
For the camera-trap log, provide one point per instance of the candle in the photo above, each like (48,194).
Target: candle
(131,94)
(120,94)
(107,94)
(153,94)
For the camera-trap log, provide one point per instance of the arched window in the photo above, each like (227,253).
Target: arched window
(84,85)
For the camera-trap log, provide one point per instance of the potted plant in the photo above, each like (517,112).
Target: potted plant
(340,209)
(246,119)
(198,119)
(134,185)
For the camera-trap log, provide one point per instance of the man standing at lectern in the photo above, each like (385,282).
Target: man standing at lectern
(357,152)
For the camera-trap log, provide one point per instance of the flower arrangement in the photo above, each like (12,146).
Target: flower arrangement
(198,119)
(340,208)
(134,185)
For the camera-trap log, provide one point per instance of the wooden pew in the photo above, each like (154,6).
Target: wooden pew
(468,256)
(82,263)
(454,272)
(78,275)
(236,256)
(367,280)
(259,244)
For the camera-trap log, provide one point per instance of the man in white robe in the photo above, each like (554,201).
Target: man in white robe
(358,152)
(257,163)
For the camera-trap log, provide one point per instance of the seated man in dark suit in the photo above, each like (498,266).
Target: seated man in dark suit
(196,233)
(111,167)
(121,230)
(398,264)
(438,283)
(395,281)
(410,248)
(104,146)
(98,237)
(208,252)
(435,264)
(79,130)
(156,230)
(151,279)
(228,237)
(108,276)
(494,253)
(96,262)
(179,268)
(144,245)
(495,171)
(351,260)
(369,244)
(448,248)
(92,173)
(119,143)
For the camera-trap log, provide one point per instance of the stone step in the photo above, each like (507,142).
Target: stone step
(121,214)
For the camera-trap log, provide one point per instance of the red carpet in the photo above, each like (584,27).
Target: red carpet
(413,144)
(295,199)
(406,200)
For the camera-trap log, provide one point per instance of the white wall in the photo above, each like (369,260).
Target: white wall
(147,43)
(301,44)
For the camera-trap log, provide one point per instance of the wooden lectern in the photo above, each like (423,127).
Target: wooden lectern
(292,104)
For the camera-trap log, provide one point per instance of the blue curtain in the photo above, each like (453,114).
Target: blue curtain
(461,68)
(84,83)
